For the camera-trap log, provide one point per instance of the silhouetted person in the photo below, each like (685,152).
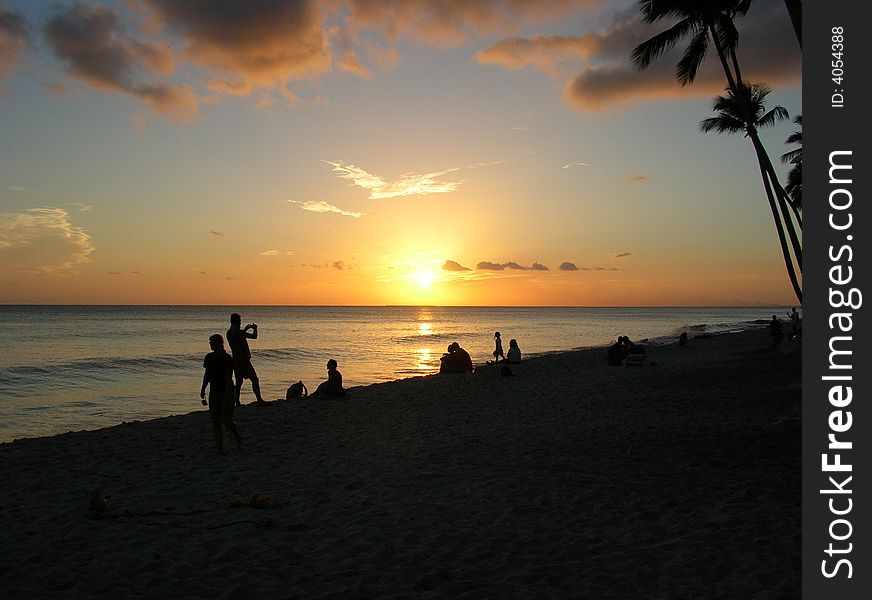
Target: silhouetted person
(514,355)
(333,385)
(775,331)
(238,338)
(618,351)
(795,326)
(222,396)
(498,350)
(682,339)
(457,360)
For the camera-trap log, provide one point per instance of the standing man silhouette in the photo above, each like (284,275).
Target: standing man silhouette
(237,338)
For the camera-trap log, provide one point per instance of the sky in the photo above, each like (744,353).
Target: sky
(372,152)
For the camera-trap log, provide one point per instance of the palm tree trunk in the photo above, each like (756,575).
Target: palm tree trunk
(769,170)
(779,228)
(794,9)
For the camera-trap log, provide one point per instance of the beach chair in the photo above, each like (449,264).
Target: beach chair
(636,357)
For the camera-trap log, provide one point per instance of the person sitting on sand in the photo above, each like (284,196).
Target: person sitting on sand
(617,352)
(457,360)
(222,395)
(514,355)
(682,339)
(333,386)
(498,351)
(775,331)
(237,338)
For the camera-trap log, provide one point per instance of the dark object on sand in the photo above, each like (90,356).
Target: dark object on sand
(296,391)
(682,339)
(618,351)
(775,331)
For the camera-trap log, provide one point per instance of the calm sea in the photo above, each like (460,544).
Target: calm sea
(68,368)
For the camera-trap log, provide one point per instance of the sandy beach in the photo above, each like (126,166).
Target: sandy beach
(572,479)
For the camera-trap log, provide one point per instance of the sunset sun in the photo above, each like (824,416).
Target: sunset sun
(425,279)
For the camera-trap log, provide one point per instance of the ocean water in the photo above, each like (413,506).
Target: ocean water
(67,368)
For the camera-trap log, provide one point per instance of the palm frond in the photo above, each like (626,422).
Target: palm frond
(773,117)
(647,51)
(693,56)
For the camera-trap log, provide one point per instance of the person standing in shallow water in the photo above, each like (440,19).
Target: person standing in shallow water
(237,338)
(222,396)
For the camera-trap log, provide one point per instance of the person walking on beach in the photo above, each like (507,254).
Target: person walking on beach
(237,338)
(222,397)
(498,351)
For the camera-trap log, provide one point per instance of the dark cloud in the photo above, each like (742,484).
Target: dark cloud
(338,265)
(96,49)
(489,266)
(607,78)
(515,266)
(492,266)
(13,39)
(259,43)
(216,233)
(568,266)
(767,53)
(638,178)
(451,265)
(623,254)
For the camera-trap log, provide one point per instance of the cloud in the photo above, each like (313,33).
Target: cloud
(276,253)
(568,266)
(578,164)
(216,233)
(511,265)
(42,240)
(489,266)
(82,208)
(338,265)
(13,39)
(546,53)
(623,254)
(596,269)
(16,189)
(515,266)
(638,178)
(264,43)
(319,206)
(442,23)
(605,77)
(93,44)
(451,265)
(407,185)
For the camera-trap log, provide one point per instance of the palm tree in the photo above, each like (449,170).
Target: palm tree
(731,118)
(794,9)
(794,157)
(710,22)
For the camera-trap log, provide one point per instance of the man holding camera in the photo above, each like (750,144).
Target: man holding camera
(237,338)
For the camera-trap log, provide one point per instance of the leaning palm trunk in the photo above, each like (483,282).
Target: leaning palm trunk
(779,225)
(780,194)
(778,204)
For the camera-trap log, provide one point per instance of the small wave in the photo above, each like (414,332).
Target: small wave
(711,329)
